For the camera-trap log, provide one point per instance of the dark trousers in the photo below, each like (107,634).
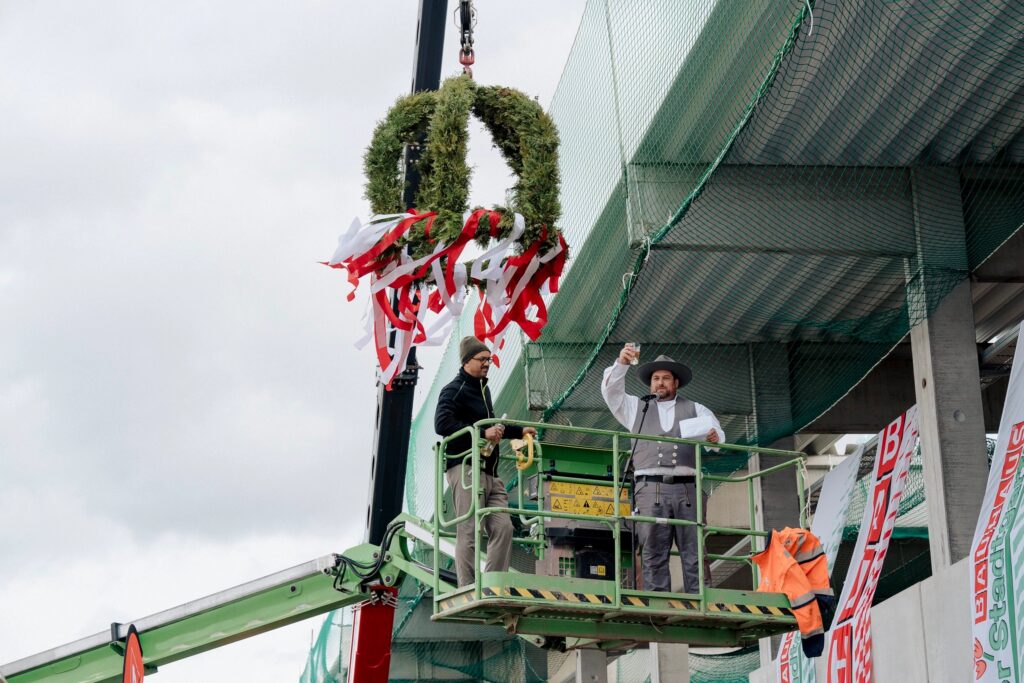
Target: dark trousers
(668,501)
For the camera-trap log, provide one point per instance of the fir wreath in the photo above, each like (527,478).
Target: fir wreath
(522,132)
(415,254)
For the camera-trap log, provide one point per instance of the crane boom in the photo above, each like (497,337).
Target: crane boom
(194,627)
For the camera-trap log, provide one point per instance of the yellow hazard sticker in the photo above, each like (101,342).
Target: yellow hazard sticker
(585,499)
(586,490)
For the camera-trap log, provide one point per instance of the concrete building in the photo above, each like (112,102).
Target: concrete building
(817,206)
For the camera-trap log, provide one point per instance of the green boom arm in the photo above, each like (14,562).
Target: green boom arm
(223,618)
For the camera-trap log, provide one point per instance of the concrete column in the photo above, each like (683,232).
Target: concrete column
(947,385)
(952,425)
(591,666)
(670,663)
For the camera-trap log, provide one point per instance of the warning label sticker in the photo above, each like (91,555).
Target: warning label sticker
(585,499)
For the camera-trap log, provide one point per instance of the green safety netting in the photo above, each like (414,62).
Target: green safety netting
(727,667)
(773,203)
(424,651)
(327,661)
(633,667)
(732,667)
(419,492)
(912,517)
(772,191)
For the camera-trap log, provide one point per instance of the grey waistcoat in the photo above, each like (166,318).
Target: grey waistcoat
(671,454)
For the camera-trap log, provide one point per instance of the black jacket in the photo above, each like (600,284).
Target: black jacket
(462,402)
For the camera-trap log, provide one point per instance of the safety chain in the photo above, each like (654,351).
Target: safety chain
(465,21)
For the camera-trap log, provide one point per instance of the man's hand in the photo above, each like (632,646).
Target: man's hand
(494,434)
(712,437)
(627,354)
(531,431)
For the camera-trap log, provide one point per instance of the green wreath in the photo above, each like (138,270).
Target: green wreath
(521,130)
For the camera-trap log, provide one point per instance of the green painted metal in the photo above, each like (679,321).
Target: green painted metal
(585,461)
(629,632)
(212,622)
(400,557)
(602,610)
(598,610)
(702,535)
(606,612)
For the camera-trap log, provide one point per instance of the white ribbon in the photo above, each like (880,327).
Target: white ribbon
(495,255)
(405,267)
(360,238)
(495,277)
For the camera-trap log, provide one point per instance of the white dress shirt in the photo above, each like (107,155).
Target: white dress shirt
(624,407)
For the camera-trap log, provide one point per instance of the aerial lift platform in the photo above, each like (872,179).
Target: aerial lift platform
(566,497)
(575,526)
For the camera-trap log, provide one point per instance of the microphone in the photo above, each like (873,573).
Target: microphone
(648,398)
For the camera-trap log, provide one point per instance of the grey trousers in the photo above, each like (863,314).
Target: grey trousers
(671,501)
(497,527)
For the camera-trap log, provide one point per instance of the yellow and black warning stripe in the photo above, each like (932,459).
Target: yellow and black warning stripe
(694,605)
(600,599)
(516,592)
(457,601)
(747,609)
(635,601)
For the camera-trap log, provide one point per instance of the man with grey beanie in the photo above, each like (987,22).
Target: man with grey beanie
(464,401)
(665,474)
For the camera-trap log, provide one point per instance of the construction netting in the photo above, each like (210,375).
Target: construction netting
(912,517)
(770,191)
(327,661)
(423,650)
(705,667)
(421,468)
(727,667)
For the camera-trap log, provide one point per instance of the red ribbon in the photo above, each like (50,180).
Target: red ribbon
(404,316)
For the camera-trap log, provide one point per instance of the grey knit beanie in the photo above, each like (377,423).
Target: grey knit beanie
(469,347)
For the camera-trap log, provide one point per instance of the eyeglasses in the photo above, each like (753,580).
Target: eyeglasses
(483,361)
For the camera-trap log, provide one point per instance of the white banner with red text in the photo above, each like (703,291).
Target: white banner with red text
(792,666)
(997,553)
(849,650)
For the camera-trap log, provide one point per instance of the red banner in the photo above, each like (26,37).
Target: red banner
(849,653)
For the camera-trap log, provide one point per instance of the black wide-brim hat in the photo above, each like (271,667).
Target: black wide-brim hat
(681,372)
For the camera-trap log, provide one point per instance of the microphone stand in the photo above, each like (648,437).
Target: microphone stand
(632,480)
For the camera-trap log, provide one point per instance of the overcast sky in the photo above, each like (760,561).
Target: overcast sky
(181,406)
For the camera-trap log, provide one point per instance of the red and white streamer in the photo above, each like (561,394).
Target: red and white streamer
(430,292)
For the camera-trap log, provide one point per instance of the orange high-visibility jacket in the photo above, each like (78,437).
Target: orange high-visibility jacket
(794,563)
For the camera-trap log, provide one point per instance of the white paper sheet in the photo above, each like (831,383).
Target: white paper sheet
(695,428)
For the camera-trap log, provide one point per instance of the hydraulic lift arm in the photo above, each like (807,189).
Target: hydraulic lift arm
(279,599)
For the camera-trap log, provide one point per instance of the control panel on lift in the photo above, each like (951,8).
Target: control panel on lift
(578,480)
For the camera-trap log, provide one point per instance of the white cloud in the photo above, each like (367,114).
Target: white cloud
(126,578)
(181,406)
